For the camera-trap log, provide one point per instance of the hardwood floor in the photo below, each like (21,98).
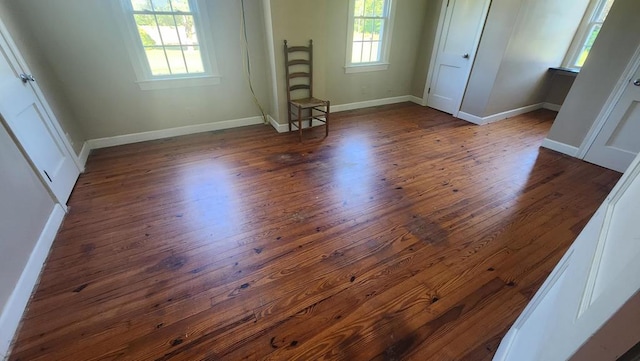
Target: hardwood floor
(405,235)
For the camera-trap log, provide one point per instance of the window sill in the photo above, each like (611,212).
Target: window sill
(565,71)
(365,68)
(157,84)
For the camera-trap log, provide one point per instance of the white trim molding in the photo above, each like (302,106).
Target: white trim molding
(283,128)
(500,116)
(280,128)
(17,303)
(551,106)
(560,147)
(416,100)
(171,132)
(365,68)
(146,80)
(382,61)
(268,24)
(227,124)
(610,104)
(470,118)
(370,103)
(84,155)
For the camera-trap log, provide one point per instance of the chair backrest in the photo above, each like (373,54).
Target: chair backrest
(298,62)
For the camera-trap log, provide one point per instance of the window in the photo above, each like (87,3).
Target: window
(587,33)
(168,47)
(369,35)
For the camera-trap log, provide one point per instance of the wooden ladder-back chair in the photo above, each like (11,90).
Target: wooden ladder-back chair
(299,70)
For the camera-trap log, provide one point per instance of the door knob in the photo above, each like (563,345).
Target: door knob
(636,82)
(27,77)
(466,56)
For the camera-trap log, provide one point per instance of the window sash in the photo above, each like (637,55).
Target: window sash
(165,46)
(581,39)
(377,56)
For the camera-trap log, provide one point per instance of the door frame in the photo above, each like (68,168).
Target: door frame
(444,5)
(632,67)
(6,42)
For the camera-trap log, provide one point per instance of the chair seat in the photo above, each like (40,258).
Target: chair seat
(308,102)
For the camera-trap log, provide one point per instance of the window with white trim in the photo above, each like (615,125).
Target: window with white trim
(369,35)
(170,47)
(587,33)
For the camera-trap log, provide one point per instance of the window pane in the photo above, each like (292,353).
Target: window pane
(176,61)
(368,29)
(366,52)
(145,19)
(157,60)
(147,30)
(375,51)
(593,34)
(168,30)
(141,5)
(180,5)
(379,8)
(186,29)
(194,59)
(358,26)
(356,53)
(377,29)
(161,5)
(369,7)
(358,8)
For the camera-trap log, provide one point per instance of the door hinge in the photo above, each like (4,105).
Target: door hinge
(47,174)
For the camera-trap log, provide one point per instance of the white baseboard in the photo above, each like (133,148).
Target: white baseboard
(511,113)
(370,103)
(17,303)
(560,147)
(283,128)
(84,155)
(416,100)
(171,132)
(499,116)
(551,106)
(280,128)
(470,118)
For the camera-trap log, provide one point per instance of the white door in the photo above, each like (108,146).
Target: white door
(25,117)
(594,279)
(459,33)
(618,141)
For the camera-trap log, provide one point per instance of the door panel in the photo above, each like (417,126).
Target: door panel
(25,117)
(460,33)
(617,143)
(596,277)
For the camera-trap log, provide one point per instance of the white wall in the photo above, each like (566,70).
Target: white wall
(425,47)
(521,41)
(326,23)
(81,41)
(607,60)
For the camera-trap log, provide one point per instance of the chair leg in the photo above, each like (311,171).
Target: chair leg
(289,115)
(300,123)
(326,120)
(310,117)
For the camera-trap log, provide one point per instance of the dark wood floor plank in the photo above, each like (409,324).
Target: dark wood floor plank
(406,234)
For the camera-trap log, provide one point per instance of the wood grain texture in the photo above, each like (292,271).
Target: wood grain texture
(405,235)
